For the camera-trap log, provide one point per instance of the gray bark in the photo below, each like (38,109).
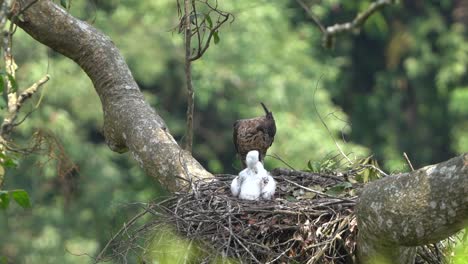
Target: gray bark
(129,122)
(400,212)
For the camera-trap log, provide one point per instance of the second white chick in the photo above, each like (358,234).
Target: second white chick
(250,181)
(268,184)
(235,186)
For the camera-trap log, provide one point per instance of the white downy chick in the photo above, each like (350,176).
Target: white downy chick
(250,181)
(268,184)
(236,186)
(251,160)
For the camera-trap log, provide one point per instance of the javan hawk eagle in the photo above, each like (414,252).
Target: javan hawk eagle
(254,134)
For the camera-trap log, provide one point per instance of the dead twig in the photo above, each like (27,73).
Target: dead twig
(287,229)
(330,32)
(408,161)
(325,124)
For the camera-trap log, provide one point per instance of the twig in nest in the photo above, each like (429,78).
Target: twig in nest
(325,124)
(258,232)
(310,230)
(280,159)
(317,192)
(408,161)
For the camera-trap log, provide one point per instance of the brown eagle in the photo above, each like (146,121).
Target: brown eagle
(254,134)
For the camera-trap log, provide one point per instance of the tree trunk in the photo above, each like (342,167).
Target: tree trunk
(129,122)
(400,212)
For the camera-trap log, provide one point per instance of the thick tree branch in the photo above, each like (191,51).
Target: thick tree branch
(129,122)
(400,212)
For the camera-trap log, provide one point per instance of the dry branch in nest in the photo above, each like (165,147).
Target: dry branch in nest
(303,224)
(298,225)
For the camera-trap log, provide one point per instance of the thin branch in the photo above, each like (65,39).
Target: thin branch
(26,7)
(312,16)
(280,159)
(124,227)
(325,125)
(197,31)
(31,90)
(188,76)
(192,24)
(330,32)
(16,102)
(207,43)
(317,192)
(408,161)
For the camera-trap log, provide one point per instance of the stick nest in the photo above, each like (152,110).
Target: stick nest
(304,223)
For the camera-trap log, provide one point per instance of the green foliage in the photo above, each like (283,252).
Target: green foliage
(400,85)
(216,38)
(4,199)
(460,251)
(402,74)
(339,189)
(21,197)
(11,79)
(2,84)
(8,160)
(368,170)
(167,247)
(64,3)
(209,21)
(327,164)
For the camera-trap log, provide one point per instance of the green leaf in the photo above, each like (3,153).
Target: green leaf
(14,85)
(216,37)
(64,3)
(3,104)
(313,166)
(10,163)
(339,188)
(2,84)
(3,260)
(21,197)
(210,22)
(370,173)
(2,175)
(4,199)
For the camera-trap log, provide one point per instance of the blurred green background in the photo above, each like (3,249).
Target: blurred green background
(400,85)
